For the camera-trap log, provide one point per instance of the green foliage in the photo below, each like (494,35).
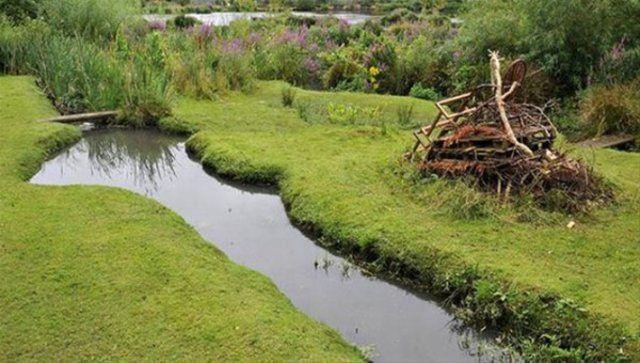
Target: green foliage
(343,114)
(344,73)
(286,62)
(288,96)
(192,67)
(79,75)
(611,109)
(234,71)
(567,39)
(424,93)
(183,21)
(92,19)
(405,115)
(19,10)
(147,87)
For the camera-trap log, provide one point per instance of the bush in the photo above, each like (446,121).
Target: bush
(567,39)
(343,71)
(234,70)
(611,109)
(288,96)
(80,75)
(342,114)
(183,22)
(192,68)
(425,93)
(19,10)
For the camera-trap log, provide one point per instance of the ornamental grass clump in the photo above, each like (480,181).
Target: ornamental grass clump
(611,109)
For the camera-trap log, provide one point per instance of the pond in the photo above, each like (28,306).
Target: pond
(226,18)
(251,226)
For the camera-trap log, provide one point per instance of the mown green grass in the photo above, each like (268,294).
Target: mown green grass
(347,182)
(91,272)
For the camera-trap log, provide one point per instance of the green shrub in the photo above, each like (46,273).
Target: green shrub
(611,109)
(343,71)
(183,22)
(192,67)
(286,62)
(234,71)
(425,93)
(342,114)
(19,10)
(567,39)
(288,94)
(303,111)
(423,60)
(18,42)
(147,86)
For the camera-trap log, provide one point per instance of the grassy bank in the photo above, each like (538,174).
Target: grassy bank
(93,272)
(555,292)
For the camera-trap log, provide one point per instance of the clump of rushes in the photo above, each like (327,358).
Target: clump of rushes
(91,19)
(288,94)
(90,58)
(405,115)
(611,109)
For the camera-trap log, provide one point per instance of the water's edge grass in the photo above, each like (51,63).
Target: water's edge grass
(454,283)
(538,322)
(445,276)
(95,271)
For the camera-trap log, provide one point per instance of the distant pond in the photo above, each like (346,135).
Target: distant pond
(226,18)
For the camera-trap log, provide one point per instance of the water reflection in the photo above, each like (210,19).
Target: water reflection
(103,153)
(251,226)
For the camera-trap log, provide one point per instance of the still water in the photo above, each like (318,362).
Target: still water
(227,17)
(251,226)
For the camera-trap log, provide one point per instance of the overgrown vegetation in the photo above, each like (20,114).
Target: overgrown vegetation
(610,109)
(369,6)
(90,56)
(419,51)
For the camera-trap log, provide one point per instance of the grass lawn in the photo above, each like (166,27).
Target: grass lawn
(523,269)
(91,272)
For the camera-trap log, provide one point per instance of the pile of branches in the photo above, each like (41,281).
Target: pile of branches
(507,148)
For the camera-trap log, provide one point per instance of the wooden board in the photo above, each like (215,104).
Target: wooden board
(608,141)
(81,117)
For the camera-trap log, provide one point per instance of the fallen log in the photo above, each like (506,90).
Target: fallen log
(608,141)
(82,117)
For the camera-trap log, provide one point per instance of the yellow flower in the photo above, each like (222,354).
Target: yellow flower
(374,71)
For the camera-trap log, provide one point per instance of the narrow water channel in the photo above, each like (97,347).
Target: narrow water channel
(251,226)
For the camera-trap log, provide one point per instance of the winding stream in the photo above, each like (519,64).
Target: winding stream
(251,226)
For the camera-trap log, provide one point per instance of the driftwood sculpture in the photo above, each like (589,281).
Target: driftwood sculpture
(504,146)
